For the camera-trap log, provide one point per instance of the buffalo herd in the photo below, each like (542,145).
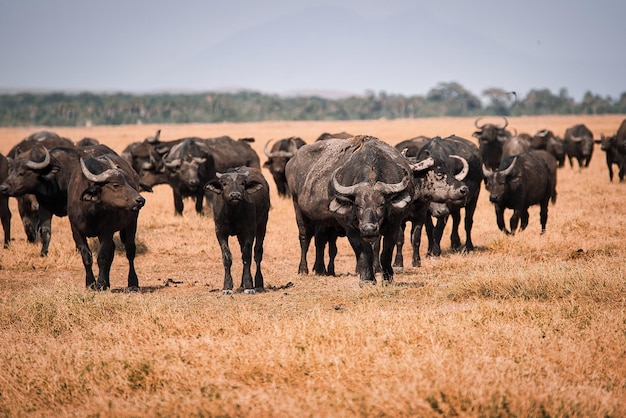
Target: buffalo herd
(356,186)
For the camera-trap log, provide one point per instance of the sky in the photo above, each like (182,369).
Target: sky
(310,46)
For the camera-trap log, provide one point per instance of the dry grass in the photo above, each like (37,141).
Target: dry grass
(528,325)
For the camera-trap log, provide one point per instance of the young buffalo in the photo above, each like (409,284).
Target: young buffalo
(241,209)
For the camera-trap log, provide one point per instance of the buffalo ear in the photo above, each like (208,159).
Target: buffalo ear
(91,194)
(267,164)
(253,187)
(214,186)
(401,200)
(340,205)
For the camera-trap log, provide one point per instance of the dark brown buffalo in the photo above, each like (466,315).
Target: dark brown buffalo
(611,147)
(546,140)
(461,160)
(5,212)
(491,138)
(146,158)
(579,145)
(362,185)
(46,174)
(241,209)
(103,198)
(189,165)
(277,157)
(520,182)
(370,188)
(27,205)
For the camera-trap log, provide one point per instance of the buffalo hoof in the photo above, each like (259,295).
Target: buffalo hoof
(133,289)
(249,291)
(227,292)
(259,289)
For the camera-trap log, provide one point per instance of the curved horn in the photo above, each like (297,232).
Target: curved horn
(266,149)
(476,123)
(423,165)
(486,172)
(507,170)
(96,178)
(506,123)
(39,165)
(345,190)
(577,138)
(388,188)
(173,163)
(463,173)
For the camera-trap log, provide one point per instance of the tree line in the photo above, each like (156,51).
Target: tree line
(445,99)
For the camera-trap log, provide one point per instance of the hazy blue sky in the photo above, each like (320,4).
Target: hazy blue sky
(284,46)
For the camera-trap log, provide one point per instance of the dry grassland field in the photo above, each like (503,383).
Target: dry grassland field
(527,325)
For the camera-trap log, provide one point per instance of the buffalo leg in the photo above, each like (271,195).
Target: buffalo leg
(322,236)
(227,261)
(45,229)
(5,215)
(29,215)
(500,218)
(469,223)
(543,213)
(83,247)
(127,235)
(306,231)
(389,242)
(416,243)
(437,234)
(399,260)
(514,221)
(178,203)
(524,217)
(199,201)
(332,252)
(455,239)
(105,260)
(364,257)
(245,243)
(258,256)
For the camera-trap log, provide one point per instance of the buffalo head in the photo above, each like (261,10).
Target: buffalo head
(108,186)
(365,204)
(499,182)
(25,171)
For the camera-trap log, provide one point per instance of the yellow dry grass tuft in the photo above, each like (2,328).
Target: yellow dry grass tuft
(527,325)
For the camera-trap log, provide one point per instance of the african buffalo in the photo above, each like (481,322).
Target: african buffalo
(103,198)
(546,140)
(5,212)
(27,204)
(521,181)
(362,185)
(579,145)
(491,138)
(277,157)
(46,174)
(146,158)
(610,145)
(462,158)
(241,209)
(189,166)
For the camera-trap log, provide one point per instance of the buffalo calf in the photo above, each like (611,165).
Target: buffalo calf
(241,209)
